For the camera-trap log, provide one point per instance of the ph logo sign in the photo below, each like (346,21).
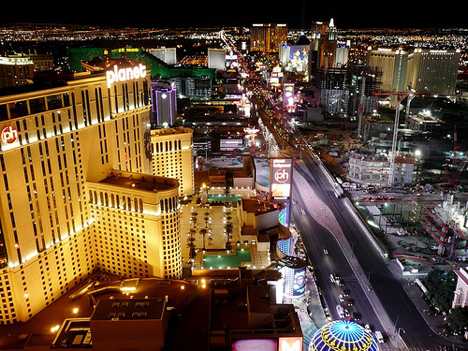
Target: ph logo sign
(281,176)
(9,135)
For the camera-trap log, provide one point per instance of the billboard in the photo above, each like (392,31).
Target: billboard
(299,282)
(290,344)
(262,174)
(255,345)
(281,174)
(231,144)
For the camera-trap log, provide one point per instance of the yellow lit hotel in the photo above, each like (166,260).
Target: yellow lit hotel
(76,191)
(172,156)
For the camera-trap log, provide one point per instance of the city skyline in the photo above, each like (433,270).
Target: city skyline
(366,14)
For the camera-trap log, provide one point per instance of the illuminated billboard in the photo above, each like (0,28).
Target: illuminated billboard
(231,144)
(281,174)
(299,282)
(262,174)
(255,345)
(290,344)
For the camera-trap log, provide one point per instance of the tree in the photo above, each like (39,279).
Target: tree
(457,319)
(441,286)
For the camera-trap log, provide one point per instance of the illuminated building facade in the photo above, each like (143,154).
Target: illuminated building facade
(433,71)
(172,156)
(267,37)
(164,103)
(217,59)
(393,65)
(167,55)
(15,70)
(68,158)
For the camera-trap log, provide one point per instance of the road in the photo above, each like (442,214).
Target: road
(413,328)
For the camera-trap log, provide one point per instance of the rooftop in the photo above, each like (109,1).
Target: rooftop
(171,131)
(138,181)
(125,309)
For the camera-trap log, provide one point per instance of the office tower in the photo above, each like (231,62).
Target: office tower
(172,156)
(164,103)
(393,65)
(268,37)
(16,70)
(217,59)
(72,198)
(433,71)
(167,55)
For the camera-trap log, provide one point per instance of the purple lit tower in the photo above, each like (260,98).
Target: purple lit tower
(164,104)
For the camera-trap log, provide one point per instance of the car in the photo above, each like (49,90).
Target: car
(325,251)
(357,316)
(340,311)
(346,292)
(379,337)
(341,298)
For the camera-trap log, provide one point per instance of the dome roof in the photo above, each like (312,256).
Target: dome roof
(343,336)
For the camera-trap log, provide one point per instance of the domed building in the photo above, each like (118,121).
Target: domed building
(343,336)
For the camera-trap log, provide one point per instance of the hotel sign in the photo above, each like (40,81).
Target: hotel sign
(117,74)
(8,135)
(281,171)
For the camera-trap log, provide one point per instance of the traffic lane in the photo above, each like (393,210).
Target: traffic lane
(397,304)
(316,241)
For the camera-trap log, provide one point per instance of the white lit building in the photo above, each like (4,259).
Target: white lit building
(460,298)
(371,169)
(167,55)
(217,59)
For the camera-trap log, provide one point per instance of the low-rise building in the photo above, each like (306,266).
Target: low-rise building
(447,224)
(374,169)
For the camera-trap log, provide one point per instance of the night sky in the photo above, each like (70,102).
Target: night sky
(176,13)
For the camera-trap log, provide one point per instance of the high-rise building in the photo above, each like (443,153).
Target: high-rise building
(327,46)
(172,156)
(16,70)
(393,65)
(217,59)
(167,55)
(164,103)
(268,37)
(72,198)
(433,71)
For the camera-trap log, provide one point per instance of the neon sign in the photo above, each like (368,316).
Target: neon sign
(9,135)
(124,74)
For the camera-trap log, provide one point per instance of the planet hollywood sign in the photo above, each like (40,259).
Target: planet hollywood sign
(117,74)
